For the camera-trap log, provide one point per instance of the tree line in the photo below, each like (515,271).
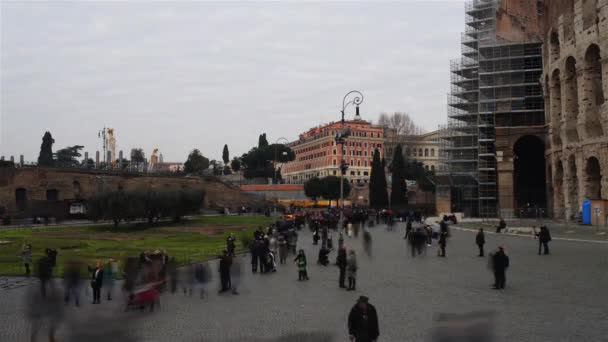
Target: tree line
(150,205)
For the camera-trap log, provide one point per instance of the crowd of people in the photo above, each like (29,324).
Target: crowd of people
(153,272)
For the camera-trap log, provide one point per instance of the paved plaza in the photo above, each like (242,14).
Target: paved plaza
(559,297)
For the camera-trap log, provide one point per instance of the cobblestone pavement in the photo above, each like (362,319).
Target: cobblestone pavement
(559,297)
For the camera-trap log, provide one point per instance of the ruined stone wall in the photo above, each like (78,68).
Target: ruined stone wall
(72,184)
(519,21)
(575,79)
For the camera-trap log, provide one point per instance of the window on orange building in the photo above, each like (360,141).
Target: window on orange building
(358,163)
(365,163)
(334,172)
(352,162)
(365,173)
(335,162)
(334,152)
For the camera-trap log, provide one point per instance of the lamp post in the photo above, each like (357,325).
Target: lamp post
(354,97)
(276,144)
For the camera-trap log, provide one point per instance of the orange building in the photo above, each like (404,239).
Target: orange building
(318,156)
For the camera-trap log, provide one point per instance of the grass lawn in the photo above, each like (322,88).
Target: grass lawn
(194,240)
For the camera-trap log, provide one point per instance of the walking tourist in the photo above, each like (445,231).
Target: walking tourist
(544,236)
(225,263)
(341,262)
(443,241)
(96,281)
(363,322)
(501,225)
(26,257)
(500,263)
(480,240)
(300,260)
(351,270)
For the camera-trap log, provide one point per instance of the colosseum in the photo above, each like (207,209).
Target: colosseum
(575,77)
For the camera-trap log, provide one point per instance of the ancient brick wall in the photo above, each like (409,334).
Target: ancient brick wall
(71,184)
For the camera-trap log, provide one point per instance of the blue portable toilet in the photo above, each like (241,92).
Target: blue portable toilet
(587,212)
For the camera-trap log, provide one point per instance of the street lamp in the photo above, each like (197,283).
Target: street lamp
(354,97)
(276,144)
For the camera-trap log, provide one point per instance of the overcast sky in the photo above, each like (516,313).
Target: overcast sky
(184,75)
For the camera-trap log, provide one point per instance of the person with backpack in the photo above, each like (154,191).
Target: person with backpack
(544,236)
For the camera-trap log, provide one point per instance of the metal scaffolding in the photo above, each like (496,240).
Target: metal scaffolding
(494,84)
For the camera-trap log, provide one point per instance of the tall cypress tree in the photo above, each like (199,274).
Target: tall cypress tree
(398,185)
(226,155)
(45,158)
(378,195)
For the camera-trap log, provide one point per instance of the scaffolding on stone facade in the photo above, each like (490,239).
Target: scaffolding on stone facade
(494,84)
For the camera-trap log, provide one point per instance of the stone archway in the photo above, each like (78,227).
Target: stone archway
(556,107)
(593,179)
(594,93)
(529,178)
(570,100)
(558,185)
(572,190)
(21,199)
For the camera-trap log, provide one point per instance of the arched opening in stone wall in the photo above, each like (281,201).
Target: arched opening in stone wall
(558,186)
(21,198)
(52,195)
(593,179)
(573,185)
(77,189)
(556,107)
(547,98)
(593,91)
(589,13)
(554,44)
(571,99)
(529,173)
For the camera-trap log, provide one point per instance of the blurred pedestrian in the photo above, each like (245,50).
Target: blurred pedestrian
(300,260)
(351,270)
(44,272)
(231,244)
(225,264)
(544,236)
(500,263)
(96,281)
(480,240)
(501,225)
(408,228)
(71,276)
(443,241)
(110,269)
(341,262)
(26,258)
(363,322)
(282,249)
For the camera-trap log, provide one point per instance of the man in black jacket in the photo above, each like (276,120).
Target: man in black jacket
(225,263)
(96,282)
(500,263)
(544,236)
(480,240)
(363,322)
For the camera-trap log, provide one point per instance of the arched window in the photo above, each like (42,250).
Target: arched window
(52,195)
(21,198)
(554,44)
(432,167)
(594,91)
(420,152)
(426,152)
(432,152)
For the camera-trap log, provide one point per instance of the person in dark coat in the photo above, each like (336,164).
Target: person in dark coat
(501,225)
(443,241)
(363,322)
(231,245)
(480,240)
(225,263)
(341,263)
(323,256)
(45,273)
(96,281)
(500,263)
(544,236)
(254,250)
(408,228)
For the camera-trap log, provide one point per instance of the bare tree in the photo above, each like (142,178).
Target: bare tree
(399,129)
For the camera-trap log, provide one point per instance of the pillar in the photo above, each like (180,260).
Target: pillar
(96,159)
(12,159)
(86,158)
(21,160)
